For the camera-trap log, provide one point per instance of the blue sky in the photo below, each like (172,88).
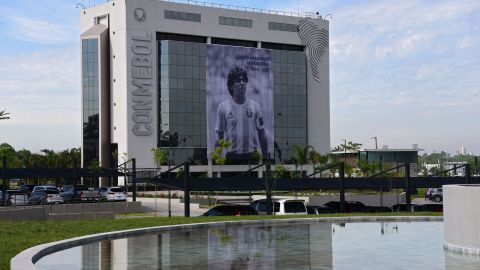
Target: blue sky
(407,72)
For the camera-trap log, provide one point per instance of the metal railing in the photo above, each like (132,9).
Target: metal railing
(246,9)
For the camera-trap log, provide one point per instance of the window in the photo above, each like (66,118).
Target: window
(235,22)
(283,27)
(182,16)
(294,207)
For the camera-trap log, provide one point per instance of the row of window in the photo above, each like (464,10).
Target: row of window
(185,48)
(230,21)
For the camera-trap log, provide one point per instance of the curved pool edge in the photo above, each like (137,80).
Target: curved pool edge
(461,249)
(26,259)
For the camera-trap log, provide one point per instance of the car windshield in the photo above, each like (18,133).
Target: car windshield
(49,191)
(116,189)
(82,188)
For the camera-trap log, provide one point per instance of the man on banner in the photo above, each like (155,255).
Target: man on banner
(240,119)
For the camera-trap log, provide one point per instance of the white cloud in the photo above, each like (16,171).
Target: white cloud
(41,85)
(39,31)
(469,42)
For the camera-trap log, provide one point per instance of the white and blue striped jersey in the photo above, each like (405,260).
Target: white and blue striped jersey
(239,124)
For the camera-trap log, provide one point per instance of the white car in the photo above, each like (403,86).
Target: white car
(112,194)
(281,207)
(53,196)
(19,198)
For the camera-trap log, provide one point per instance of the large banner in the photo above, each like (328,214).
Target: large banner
(240,100)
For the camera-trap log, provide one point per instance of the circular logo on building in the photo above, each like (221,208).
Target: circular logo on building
(139,14)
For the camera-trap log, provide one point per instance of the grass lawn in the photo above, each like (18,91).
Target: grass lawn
(16,236)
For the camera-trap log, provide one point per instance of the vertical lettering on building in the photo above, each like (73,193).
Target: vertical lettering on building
(141,84)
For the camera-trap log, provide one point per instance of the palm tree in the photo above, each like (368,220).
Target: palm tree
(301,154)
(3,115)
(217,154)
(159,156)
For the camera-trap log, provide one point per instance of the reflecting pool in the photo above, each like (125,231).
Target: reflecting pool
(315,245)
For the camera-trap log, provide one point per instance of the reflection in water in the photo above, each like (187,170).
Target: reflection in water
(282,246)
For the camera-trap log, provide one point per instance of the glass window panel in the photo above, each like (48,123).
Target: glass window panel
(181,106)
(188,60)
(95,69)
(181,48)
(172,71)
(188,72)
(173,83)
(188,48)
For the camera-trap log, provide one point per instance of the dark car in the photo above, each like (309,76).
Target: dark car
(37,197)
(436,195)
(5,199)
(414,208)
(27,189)
(379,209)
(319,209)
(350,206)
(231,210)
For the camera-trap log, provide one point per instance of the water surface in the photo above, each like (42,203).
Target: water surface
(317,245)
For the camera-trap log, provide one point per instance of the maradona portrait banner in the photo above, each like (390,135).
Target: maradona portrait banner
(240,100)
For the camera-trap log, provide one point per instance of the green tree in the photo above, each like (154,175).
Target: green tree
(6,150)
(301,155)
(159,156)
(94,167)
(280,171)
(347,146)
(217,154)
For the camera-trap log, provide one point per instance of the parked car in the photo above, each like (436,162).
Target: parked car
(5,199)
(78,193)
(18,197)
(319,209)
(434,207)
(28,189)
(43,188)
(37,197)
(379,209)
(231,210)
(350,206)
(112,193)
(281,207)
(48,196)
(436,195)
(414,208)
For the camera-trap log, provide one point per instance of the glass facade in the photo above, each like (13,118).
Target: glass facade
(290,103)
(182,100)
(90,90)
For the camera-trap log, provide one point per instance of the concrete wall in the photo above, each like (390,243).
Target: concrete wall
(461,219)
(79,211)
